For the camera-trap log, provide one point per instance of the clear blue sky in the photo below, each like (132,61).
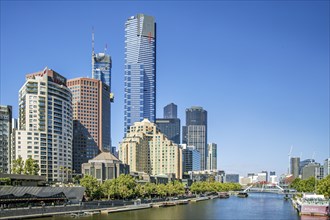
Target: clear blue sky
(260,68)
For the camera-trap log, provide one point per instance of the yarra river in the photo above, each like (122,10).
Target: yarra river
(256,206)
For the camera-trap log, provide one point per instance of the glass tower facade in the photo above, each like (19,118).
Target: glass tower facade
(171,111)
(140,70)
(101,67)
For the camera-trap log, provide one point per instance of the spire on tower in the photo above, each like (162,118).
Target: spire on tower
(105,49)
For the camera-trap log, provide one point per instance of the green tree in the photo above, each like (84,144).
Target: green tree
(161,190)
(126,185)
(18,166)
(323,186)
(31,167)
(109,188)
(92,185)
(5,181)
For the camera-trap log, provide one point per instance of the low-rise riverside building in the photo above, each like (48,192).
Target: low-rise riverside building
(104,166)
(148,150)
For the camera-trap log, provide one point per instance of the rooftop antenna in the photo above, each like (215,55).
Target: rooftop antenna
(289,158)
(105,49)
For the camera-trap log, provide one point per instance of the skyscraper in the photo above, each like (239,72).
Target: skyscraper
(101,70)
(211,156)
(91,119)
(190,158)
(171,111)
(140,70)
(45,124)
(195,132)
(5,137)
(295,161)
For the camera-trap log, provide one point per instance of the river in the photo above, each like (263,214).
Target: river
(256,206)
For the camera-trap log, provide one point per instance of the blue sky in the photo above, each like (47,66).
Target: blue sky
(260,68)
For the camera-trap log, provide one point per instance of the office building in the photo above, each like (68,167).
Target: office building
(211,156)
(232,178)
(105,166)
(195,132)
(91,119)
(265,172)
(140,70)
(148,150)
(190,158)
(311,170)
(304,163)
(326,167)
(262,177)
(171,111)
(294,166)
(170,127)
(5,137)
(45,124)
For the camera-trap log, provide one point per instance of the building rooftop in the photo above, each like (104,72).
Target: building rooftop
(105,156)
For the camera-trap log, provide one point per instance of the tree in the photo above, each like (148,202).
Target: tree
(125,185)
(18,166)
(324,186)
(92,185)
(109,188)
(31,167)
(161,190)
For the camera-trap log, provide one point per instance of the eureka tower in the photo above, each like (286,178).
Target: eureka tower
(140,70)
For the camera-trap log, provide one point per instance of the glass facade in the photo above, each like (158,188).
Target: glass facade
(140,70)
(170,127)
(171,111)
(101,67)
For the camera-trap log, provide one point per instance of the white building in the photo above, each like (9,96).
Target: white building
(211,156)
(45,124)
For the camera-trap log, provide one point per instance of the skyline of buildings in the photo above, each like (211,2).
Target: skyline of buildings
(140,70)
(194,132)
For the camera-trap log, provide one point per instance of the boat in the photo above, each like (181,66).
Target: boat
(182,202)
(223,195)
(242,195)
(312,204)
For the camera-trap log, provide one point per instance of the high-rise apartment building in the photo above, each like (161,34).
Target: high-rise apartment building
(140,70)
(170,127)
(304,163)
(5,137)
(91,119)
(45,124)
(171,111)
(146,149)
(195,132)
(294,167)
(190,159)
(211,156)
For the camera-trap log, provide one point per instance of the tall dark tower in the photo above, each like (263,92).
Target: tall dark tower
(195,131)
(171,111)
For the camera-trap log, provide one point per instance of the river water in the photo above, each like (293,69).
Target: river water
(256,206)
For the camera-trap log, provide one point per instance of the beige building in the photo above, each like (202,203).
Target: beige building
(104,166)
(148,150)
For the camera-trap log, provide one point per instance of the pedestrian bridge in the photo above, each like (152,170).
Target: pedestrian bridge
(266,187)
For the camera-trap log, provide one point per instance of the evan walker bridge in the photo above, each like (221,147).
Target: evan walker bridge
(266,187)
